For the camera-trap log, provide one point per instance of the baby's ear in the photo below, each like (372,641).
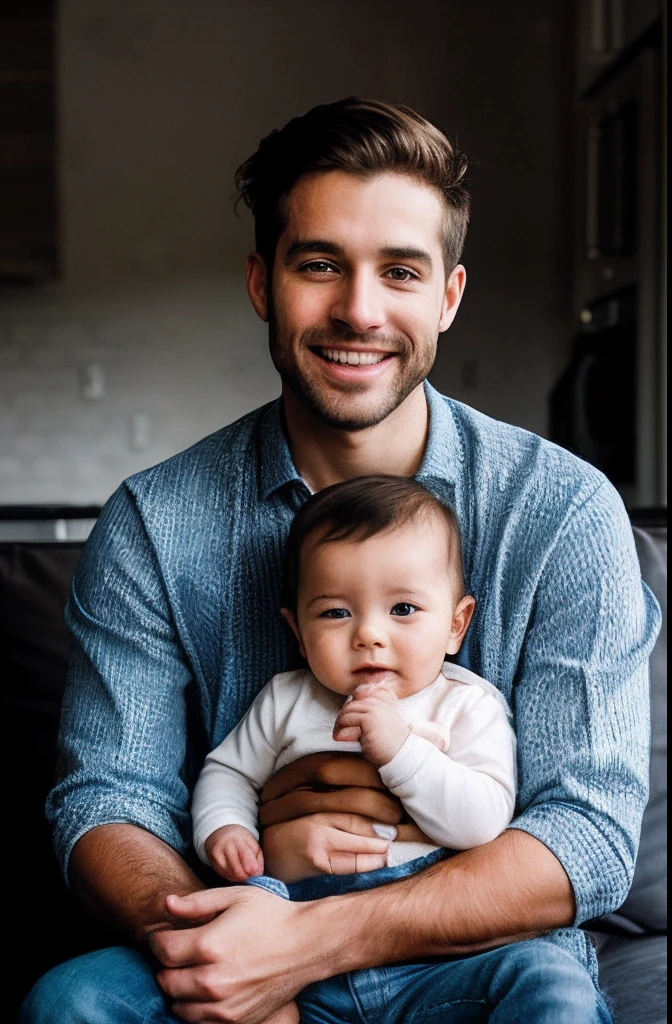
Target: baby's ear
(460,623)
(290,619)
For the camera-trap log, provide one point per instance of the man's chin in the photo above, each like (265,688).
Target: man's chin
(348,415)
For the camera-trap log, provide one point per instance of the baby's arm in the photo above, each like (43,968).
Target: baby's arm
(461,799)
(224,805)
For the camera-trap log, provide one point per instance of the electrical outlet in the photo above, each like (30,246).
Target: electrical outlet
(91,381)
(139,431)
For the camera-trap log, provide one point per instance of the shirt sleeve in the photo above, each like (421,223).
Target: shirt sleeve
(123,734)
(234,773)
(582,704)
(466,797)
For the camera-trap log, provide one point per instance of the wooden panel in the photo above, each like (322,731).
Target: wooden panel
(28,193)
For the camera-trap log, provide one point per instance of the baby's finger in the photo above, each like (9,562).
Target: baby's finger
(352,715)
(349,734)
(249,859)
(237,870)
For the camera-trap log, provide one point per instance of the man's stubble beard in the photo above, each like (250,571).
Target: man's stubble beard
(326,406)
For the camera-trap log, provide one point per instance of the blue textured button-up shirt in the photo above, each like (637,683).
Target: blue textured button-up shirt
(175,620)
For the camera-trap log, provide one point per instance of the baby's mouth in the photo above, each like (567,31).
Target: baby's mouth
(371,674)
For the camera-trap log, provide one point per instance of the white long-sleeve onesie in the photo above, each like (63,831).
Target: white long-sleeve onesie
(461,796)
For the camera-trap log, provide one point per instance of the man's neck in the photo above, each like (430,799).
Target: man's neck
(325,455)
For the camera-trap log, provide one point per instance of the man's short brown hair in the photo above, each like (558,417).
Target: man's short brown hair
(362,137)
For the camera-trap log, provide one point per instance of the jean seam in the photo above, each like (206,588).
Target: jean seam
(419,1014)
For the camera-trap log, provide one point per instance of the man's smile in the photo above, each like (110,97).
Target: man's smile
(352,358)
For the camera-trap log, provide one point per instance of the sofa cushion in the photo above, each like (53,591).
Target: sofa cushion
(646,904)
(34,583)
(633,974)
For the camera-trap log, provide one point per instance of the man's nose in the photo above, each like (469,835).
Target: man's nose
(359,303)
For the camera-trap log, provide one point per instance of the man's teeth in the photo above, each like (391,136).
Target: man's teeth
(352,358)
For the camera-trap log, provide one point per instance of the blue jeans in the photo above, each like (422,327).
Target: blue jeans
(534,981)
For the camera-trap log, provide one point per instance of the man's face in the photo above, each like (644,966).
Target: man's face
(359,294)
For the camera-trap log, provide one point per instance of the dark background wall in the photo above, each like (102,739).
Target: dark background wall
(147,341)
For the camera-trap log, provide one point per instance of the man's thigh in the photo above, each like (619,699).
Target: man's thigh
(526,981)
(110,986)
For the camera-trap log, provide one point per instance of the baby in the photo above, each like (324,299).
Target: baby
(375,597)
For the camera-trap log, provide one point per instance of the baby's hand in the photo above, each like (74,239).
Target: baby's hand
(234,853)
(370,716)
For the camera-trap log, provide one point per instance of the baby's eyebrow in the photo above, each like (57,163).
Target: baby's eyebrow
(324,597)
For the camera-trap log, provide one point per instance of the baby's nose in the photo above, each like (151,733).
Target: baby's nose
(370,634)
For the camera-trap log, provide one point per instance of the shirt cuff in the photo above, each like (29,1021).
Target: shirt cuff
(104,810)
(600,873)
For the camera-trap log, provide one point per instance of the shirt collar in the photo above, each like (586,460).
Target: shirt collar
(276,467)
(442,461)
(444,452)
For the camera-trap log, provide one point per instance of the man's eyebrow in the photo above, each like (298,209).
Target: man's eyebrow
(390,252)
(407,252)
(312,245)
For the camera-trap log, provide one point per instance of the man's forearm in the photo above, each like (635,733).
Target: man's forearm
(124,873)
(510,889)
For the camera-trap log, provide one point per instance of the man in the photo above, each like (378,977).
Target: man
(360,214)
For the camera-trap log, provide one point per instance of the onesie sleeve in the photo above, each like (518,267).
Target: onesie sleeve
(234,773)
(582,704)
(466,797)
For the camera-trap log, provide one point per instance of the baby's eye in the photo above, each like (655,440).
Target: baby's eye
(403,609)
(335,613)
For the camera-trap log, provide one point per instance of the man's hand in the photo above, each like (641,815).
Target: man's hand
(240,965)
(370,716)
(324,844)
(260,950)
(234,853)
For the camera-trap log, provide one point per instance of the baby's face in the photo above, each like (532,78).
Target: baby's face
(379,610)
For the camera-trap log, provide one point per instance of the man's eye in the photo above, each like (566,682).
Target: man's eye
(319,267)
(335,613)
(403,609)
(402,274)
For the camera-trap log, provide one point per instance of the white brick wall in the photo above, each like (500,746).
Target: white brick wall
(159,100)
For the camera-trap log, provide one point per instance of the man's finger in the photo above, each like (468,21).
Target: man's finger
(361,800)
(187,982)
(316,771)
(202,904)
(346,842)
(348,863)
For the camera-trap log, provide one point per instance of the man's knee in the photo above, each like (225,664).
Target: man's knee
(547,980)
(105,987)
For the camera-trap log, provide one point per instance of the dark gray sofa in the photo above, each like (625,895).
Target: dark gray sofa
(47,925)
(632,944)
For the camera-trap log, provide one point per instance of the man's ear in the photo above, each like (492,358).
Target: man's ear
(460,623)
(452,296)
(290,619)
(256,279)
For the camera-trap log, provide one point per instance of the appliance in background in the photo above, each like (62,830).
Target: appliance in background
(610,404)
(592,406)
